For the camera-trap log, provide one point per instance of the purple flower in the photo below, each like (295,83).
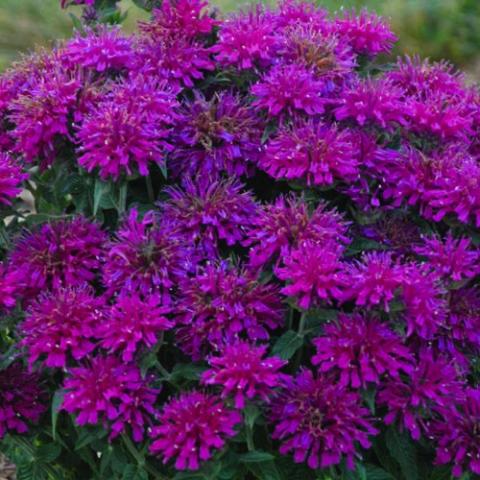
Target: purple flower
(61,324)
(221,304)
(314,273)
(41,115)
(179,18)
(9,287)
(216,135)
(373,101)
(361,350)
(451,257)
(432,387)
(425,307)
(109,391)
(190,427)
(21,399)
(126,131)
(281,226)
(247,40)
(101,50)
(289,89)
(366,32)
(374,280)
(132,323)
(319,153)
(291,13)
(147,256)
(62,253)
(206,212)
(242,372)
(320,421)
(67,3)
(457,435)
(11,178)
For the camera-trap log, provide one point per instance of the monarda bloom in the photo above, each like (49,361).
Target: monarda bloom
(247,40)
(425,306)
(132,323)
(374,280)
(243,373)
(102,50)
(190,427)
(216,135)
(221,304)
(372,101)
(9,287)
(289,90)
(110,392)
(21,399)
(126,131)
(318,153)
(367,33)
(61,325)
(360,351)
(320,421)
(313,274)
(431,387)
(283,225)
(452,257)
(291,13)
(41,115)
(147,256)
(207,212)
(457,435)
(179,18)
(11,178)
(62,253)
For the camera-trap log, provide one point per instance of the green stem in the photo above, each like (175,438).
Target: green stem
(151,193)
(301,324)
(249,435)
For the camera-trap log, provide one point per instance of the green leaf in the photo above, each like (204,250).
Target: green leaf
(251,413)
(403,451)
(102,196)
(48,453)
(441,473)
(264,470)
(286,346)
(56,404)
(186,371)
(377,473)
(256,457)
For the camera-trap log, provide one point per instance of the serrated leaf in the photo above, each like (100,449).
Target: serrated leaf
(256,457)
(286,346)
(403,451)
(56,404)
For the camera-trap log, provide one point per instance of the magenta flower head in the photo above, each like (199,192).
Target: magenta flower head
(373,101)
(11,178)
(367,33)
(62,253)
(109,391)
(9,287)
(289,90)
(243,372)
(190,427)
(221,304)
(126,131)
(102,50)
(41,115)
(132,323)
(292,13)
(320,421)
(318,153)
(21,399)
(216,135)
(179,18)
(374,280)
(283,225)
(207,212)
(62,324)
(314,273)
(361,350)
(425,306)
(457,436)
(452,257)
(431,387)
(147,256)
(247,40)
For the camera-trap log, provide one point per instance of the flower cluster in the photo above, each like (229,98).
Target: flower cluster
(239,237)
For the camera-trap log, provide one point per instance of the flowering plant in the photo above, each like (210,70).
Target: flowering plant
(238,247)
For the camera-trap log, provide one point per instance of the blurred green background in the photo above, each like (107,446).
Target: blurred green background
(434,28)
